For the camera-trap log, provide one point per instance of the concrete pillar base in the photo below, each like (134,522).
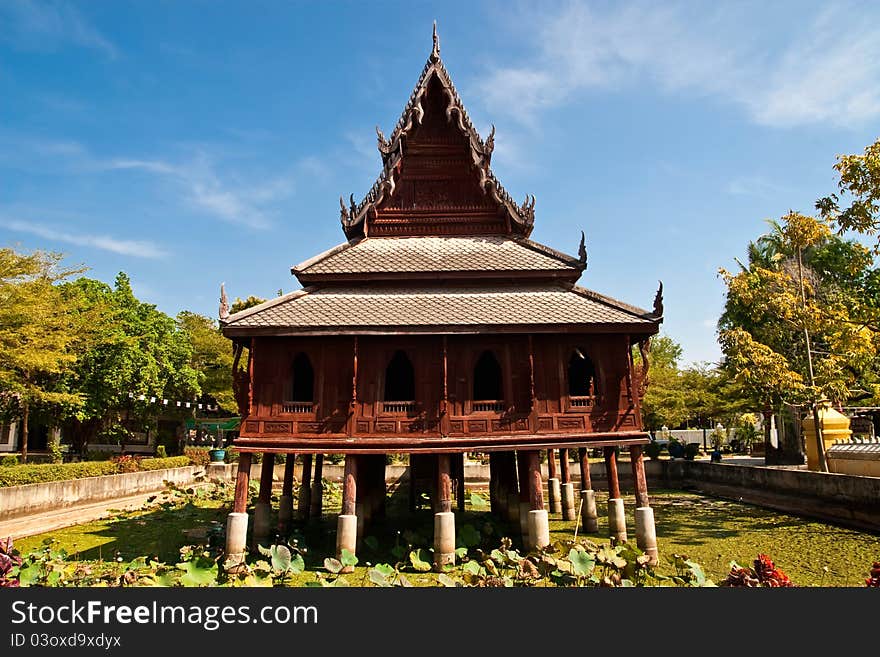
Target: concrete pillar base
(589,514)
(554,495)
(346,537)
(236,537)
(568,511)
(616,521)
(539,529)
(262,522)
(444,539)
(513,508)
(285,512)
(646,533)
(524,508)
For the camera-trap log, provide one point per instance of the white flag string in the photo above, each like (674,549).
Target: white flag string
(174,402)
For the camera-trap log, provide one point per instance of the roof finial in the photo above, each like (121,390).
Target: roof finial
(435,51)
(582,251)
(224,304)
(658,301)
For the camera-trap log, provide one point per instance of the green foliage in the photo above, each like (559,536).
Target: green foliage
(860,180)
(39,337)
(211,357)
(20,475)
(243,304)
(132,349)
(8,461)
(198,455)
(421,560)
(160,452)
(687,573)
(676,396)
(162,463)
(802,281)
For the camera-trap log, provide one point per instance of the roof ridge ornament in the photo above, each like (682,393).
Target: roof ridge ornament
(582,251)
(489,146)
(224,303)
(344,215)
(658,301)
(435,51)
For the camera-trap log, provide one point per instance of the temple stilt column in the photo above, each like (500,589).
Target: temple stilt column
(589,514)
(494,505)
(509,470)
(305,488)
(347,522)
(524,505)
(316,505)
(263,507)
(538,519)
(567,488)
(646,532)
(444,519)
(554,493)
(616,513)
(285,503)
(237,521)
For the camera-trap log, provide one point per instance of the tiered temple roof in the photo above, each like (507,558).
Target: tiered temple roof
(438,245)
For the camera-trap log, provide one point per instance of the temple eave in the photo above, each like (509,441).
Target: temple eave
(390,444)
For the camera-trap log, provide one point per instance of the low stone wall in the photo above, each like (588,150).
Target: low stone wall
(17,501)
(848,500)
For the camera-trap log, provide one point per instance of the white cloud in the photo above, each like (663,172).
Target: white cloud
(824,68)
(755,186)
(207,191)
(135,248)
(47,26)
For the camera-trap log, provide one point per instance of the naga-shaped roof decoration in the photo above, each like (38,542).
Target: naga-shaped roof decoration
(392,150)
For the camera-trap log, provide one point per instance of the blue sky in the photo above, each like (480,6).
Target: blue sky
(189,143)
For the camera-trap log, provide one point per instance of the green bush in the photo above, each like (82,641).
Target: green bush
(8,461)
(167,462)
(197,455)
(160,452)
(33,474)
(18,475)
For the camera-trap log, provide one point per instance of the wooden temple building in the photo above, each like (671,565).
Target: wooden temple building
(436,329)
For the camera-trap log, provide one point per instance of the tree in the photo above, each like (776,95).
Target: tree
(211,356)
(664,401)
(136,350)
(38,334)
(860,179)
(243,304)
(675,396)
(796,332)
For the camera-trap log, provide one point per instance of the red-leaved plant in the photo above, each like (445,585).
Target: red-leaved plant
(8,560)
(765,573)
(874,580)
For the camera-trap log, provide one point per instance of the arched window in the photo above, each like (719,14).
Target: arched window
(581,375)
(487,378)
(400,380)
(302,386)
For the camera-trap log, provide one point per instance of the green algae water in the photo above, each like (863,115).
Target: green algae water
(711,531)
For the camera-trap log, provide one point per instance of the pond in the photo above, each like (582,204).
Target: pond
(711,531)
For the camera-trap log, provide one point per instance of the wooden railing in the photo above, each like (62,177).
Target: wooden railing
(488,406)
(583,402)
(297,407)
(407,407)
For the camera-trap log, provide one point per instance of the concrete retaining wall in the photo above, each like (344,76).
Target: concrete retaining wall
(843,499)
(17,501)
